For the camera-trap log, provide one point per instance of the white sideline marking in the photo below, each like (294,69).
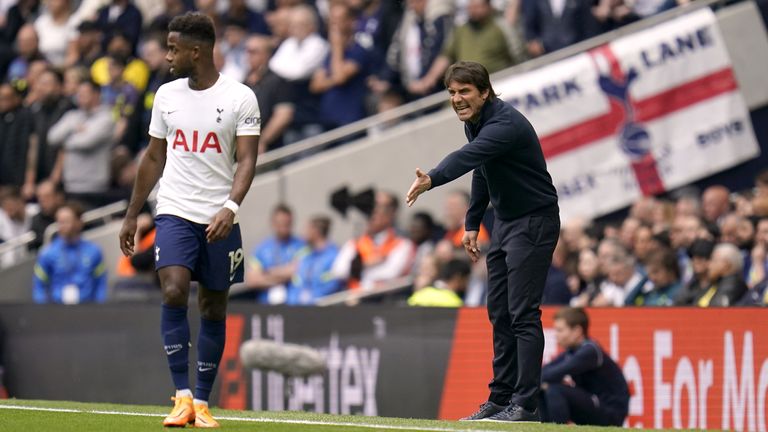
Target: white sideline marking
(245,419)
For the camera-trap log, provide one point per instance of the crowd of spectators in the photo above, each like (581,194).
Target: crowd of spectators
(688,249)
(78,77)
(315,64)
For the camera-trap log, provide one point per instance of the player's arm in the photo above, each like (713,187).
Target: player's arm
(150,170)
(247,153)
(587,357)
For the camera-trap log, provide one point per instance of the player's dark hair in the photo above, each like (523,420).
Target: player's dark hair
(282,208)
(467,72)
(194,25)
(322,224)
(574,317)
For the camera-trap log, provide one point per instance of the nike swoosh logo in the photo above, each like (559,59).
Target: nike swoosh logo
(173,351)
(204,369)
(171,112)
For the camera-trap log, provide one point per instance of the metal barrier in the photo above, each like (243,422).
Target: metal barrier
(104,214)
(18,246)
(15,249)
(353,297)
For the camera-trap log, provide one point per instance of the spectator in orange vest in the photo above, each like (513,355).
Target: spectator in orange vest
(378,255)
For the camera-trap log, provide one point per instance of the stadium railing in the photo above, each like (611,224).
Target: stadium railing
(20,245)
(384,289)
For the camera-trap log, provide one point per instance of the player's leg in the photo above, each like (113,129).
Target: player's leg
(504,357)
(571,404)
(529,248)
(175,254)
(221,265)
(210,347)
(174,282)
(528,244)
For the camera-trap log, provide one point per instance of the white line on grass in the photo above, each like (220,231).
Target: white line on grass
(246,419)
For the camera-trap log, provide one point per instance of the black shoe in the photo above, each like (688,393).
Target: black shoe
(515,413)
(486,410)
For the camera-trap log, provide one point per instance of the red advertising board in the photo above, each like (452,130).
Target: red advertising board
(687,368)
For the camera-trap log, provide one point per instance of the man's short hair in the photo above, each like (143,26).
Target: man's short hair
(118,59)
(467,72)
(393,201)
(10,192)
(732,254)
(426,219)
(92,84)
(57,74)
(665,258)
(282,208)
(453,268)
(194,25)
(463,194)
(574,317)
(75,207)
(322,224)
(701,248)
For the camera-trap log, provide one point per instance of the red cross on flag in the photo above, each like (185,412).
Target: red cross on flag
(641,115)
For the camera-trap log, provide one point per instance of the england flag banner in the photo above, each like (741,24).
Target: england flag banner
(641,115)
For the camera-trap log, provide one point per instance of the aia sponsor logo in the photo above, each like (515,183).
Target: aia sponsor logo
(193,143)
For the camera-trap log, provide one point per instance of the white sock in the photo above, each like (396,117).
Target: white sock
(200,402)
(184,393)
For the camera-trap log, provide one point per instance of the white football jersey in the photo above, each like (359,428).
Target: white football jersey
(200,129)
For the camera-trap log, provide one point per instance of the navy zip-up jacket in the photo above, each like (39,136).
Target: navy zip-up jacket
(594,371)
(509,165)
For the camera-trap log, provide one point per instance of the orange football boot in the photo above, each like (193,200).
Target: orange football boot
(183,413)
(203,417)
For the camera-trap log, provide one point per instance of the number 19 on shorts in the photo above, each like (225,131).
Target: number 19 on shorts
(235,260)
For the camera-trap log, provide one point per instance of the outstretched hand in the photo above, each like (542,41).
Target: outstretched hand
(422,184)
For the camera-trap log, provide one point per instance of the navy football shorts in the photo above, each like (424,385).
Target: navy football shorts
(217,265)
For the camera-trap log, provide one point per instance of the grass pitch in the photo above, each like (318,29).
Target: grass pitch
(36,415)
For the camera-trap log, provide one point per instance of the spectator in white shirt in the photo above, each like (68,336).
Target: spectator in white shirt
(57,29)
(304,50)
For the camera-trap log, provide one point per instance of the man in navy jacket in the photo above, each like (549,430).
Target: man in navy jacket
(510,173)
(582,385)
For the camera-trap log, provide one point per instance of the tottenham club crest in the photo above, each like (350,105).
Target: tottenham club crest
(218,118)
